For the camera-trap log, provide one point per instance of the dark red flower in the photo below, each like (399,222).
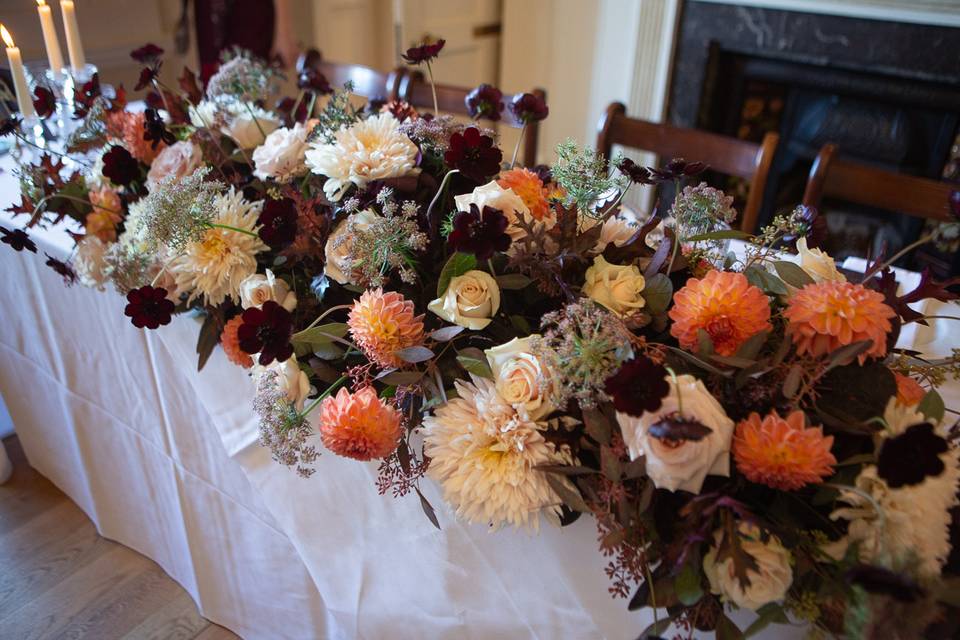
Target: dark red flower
(676,169)
(912,456)
(147,53)
(676,427)
(61,267)
(423,53)
(18,239)
(9,125)
(85,96)
(810,225)
(278,223)
(481,233)
(153,100)
(636,173)
(148,307)
(155,129)
(267,331)
(527,108)
(639,386)
(486,101)
(120,167)
(44,101)
(881,580)
(400,109)
(474,154)
(147,76)
(309,79)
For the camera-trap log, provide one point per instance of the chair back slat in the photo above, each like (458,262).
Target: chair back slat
(863,184)
(367,82)
(727,155)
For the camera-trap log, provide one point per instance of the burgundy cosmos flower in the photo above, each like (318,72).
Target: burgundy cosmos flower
(18,239)
(155,130)
(85,96)
(424,53)
(65,270)
(147,76)
(44,101)
(486,101)
(147,53)
(148,307)
(9,124)
(309,79)
(120,167)
(528,108)
(278,223)
(481,233)
(636,173)
(678,168)
(267,331)
(907,459)
(474,154)
(640,385)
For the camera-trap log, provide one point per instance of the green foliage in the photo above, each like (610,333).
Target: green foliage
(583,175)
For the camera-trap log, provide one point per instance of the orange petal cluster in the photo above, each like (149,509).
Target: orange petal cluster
(359,425)
(725,305)
(909,391)
(782,453)
(106,214)
(825,316)
(231,343)
(529,187)
(127,128)
(382,324)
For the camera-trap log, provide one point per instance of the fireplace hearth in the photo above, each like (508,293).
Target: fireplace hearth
(886,93)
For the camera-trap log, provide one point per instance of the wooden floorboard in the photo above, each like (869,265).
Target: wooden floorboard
(60,579)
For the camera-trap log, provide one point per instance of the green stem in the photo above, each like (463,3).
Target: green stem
(516,148)
(21,137)
(907,249)
(322,396)
(246,106)
(313,103)
(326,313)
(433,89)
(217,225)
(296,105)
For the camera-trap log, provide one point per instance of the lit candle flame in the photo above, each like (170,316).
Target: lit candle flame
(7,38)
(42,3)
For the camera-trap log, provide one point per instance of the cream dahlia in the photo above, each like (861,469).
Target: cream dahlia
(724,305)
(483,453)
(825,316)
(372,149)
(359,425)
(214,266)
(382,323)
(782,453)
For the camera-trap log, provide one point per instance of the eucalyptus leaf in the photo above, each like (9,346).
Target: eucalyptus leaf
(687,585)
(568,495)
(847,354)
(427,508)
(932,406)
(792,274)
(657,293)
(791,384)
(321,334)
(752,345)
(765,281)
(414,355)
(457,265)
(475,362)
(401,378)
(513,281)
(446,334)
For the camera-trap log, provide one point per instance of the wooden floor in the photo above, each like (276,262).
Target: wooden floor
(59,579)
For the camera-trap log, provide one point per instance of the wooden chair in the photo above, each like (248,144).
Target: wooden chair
(367,82)
(858,183)
(724,154)
(415,89)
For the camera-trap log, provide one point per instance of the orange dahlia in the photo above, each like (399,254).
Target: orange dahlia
(825,316)
(382,324)
(724,305)
(529,187)
(359,425)
(231,343)
(909,391)
(106,214)
(782,454)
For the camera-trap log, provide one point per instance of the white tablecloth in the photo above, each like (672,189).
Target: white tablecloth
(165,460)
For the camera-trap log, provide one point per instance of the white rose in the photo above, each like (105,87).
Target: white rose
(521,378)
(769,583)
(90,263)
(509,203)
(339,266)
(290,379)
(282,154)
(818,264)
(179,159)
(682,464)
(258,288)
(616,287)
(248,127)
(470,301)
(618,230)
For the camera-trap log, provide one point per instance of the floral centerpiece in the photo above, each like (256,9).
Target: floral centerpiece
(740,425)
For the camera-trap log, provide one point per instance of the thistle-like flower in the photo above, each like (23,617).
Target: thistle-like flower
(582,174)
(179,211)
(283,429)
(241,78)
(385,242)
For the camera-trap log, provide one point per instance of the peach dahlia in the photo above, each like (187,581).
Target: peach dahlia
(359,425)
(383,323)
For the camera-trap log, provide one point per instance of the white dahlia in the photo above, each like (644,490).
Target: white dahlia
(483,453)
(372,149)
(215,266)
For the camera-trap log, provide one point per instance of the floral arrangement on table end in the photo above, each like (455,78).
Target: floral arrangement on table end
(741,428)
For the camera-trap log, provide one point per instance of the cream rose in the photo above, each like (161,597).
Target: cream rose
(682,464)
(340,243)
(179,159)
(818,264)
(248,127)
(470,301)
(259,288)
(290,379)
(616,287)
(521,378)
(769,583)
(282,155)
(494,196)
